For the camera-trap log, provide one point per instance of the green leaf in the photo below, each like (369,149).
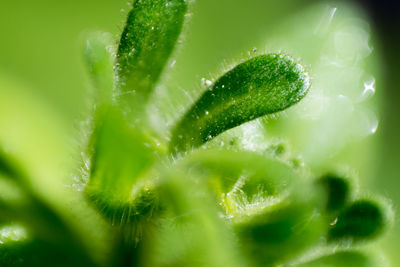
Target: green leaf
(147,41)
(270,207)
(363,219)
(263,85)
(100,62)
(279,232)
(191,232)
(242,179)
(121,154)
(340,259)
(337,190)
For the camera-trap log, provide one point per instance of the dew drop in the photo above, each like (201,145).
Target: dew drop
(205,82)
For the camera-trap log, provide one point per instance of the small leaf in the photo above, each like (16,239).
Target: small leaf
(337,190)
(120,155)
(340,259)
(280,232)
(147,41)
(241,179)
(364,219)
(263,85)
(99,60)
(192,232)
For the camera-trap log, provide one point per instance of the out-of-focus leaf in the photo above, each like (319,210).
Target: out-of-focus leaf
(363,219)
(243,178)
(100,61)
(337,190)
(120,155)
(39,253)
(280,232)
(191,232)
(262,85)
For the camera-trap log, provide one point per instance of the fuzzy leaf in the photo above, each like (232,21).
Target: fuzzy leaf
(337,191)
(363,219)
(121,155)
(148,39)
(241,178)
(99,60)
(263,85)
(192,232)
(278,233)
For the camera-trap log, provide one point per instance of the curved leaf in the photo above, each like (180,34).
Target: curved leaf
(121,154)
(279,232)
(337,190)
(263,85)
(363,219)
(148,39)
(242,180)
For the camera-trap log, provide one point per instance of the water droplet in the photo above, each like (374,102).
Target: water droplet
(206,112)
(172,64)
(209,137)
(205,82)
(334,222)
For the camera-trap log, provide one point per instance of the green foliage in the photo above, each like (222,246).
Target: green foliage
(120,155)
(279,232)
(220,206)
(147,41)
(363,219)
(337,191)
(257,87)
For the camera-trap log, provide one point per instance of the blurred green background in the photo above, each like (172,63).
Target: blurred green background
(348,51)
